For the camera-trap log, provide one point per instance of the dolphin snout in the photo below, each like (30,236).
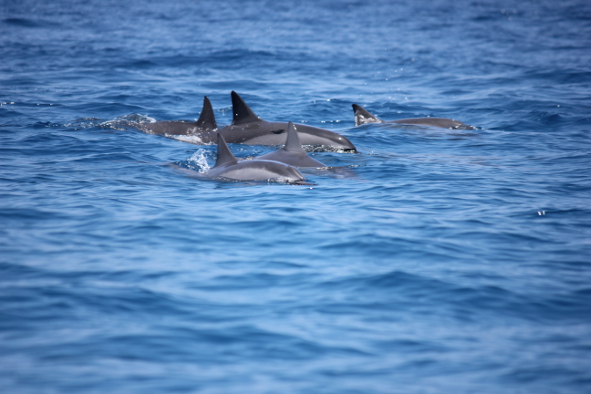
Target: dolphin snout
(347,145)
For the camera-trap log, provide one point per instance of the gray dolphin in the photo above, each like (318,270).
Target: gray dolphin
(363,117)
(228,167)
(292,153)
(247,128)
(204,127)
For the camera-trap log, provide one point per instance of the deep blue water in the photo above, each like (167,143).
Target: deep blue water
(436,261)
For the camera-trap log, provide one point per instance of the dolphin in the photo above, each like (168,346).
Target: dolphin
(292,153)
(229,168)
(363,117)
(204,127)
(247,128)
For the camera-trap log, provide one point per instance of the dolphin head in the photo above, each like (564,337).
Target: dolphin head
(310,135)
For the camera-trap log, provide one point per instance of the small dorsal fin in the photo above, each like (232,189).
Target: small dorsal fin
(363,117)
(225,156)
(241,111)
(293,144)
(207,119)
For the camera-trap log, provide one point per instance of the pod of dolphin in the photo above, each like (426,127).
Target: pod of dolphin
(249,129)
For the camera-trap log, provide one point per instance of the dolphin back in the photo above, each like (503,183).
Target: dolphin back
(436,122)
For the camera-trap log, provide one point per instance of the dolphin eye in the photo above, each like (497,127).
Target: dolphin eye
(278,131)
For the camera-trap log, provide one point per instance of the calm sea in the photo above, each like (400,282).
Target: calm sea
(435,261)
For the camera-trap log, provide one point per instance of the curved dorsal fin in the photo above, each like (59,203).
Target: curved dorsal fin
(225,156)
(363,117)
(206,120)
(241,111)
(293,144)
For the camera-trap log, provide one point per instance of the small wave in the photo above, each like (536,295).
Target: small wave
(30,23)
(324,148)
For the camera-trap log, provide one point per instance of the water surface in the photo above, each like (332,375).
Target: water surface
(434,261)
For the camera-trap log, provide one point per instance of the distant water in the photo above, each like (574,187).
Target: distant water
(436,261)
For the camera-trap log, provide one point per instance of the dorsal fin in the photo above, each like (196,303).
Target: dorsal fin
(225,156)
(363,117)
(206,120)
(293,144)
(241,111)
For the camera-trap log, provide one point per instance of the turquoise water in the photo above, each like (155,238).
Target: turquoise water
(433,261)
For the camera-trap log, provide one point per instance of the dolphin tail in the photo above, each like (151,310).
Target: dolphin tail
(207,119)
(241,111)
(225,156)
(363,117)
(292,143)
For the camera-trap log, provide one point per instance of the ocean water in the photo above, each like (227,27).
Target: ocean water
(434,261)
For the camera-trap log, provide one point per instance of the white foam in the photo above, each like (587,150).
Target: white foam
(192,139)
(121,121)
(199,160)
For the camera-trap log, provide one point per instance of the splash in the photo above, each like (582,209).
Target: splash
(121,122)
(198,161)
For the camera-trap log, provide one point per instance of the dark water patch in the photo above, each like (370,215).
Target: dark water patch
(30,23)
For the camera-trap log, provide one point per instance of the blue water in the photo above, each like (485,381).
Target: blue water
(434,261)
